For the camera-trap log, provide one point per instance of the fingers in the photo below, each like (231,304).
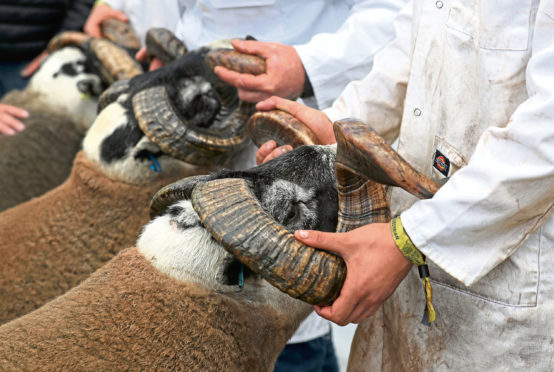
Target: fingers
(252,96)
(155,64)
(252,47)
(266,105)
(340,311)
(141,55)
(34,65)
(8,122)
(99,14)
(260,158)
(241,81)
(119,15)
(332,242)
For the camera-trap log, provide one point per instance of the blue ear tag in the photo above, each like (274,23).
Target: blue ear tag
(155,165)
(241,278)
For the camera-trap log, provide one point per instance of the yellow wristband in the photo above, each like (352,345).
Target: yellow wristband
(98,2)
(413,255)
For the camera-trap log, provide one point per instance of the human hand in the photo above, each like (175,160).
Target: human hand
(99,14)
(34,65)
(316,120)
(375,267)
(8,119)
(284,76)
(142,56)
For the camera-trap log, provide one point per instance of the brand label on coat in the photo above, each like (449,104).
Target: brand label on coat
(441,163)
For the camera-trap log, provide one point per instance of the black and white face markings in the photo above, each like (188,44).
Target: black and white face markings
(81,68)
(298,189)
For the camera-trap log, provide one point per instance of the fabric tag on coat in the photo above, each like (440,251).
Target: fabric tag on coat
(441,163)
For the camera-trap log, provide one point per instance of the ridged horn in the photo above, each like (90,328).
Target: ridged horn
(116,63)
(112,93)
(173,193)
(236,61)
(119,32)
(234,217)
(281,127)
(162,43)
(362,151)
(66,38)
(183,138)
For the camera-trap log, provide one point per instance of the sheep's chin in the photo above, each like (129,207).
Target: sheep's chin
(60,90)
(129,168)
(179,246)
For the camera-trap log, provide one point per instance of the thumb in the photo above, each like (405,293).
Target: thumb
(250,47)
(323,240)
(119,15)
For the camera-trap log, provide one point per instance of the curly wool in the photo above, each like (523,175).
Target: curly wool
(129,316)
(50,244)
(40,157)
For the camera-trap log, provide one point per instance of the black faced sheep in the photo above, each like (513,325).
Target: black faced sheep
(99,210)
(173,302)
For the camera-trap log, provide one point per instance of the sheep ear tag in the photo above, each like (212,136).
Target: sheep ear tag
(362,151)
(281,127)
(234,217)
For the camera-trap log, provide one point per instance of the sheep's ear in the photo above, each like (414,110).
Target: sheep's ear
(162,43)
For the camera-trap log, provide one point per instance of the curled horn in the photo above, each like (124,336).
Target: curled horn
(162,43)
(183,138)
(281,127)
(112,93)
(119,32)
(66,38)
(234,217)
(173,193)
(159,120)
(361,150)
(236,61)
(116,63)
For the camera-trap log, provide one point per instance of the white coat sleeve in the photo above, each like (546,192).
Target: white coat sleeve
(487,209)
(378,98)
(331,60)
(116,4)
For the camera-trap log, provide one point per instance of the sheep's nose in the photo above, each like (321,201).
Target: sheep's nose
(89,87)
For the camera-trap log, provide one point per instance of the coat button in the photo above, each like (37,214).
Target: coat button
(417,112)
(439,4)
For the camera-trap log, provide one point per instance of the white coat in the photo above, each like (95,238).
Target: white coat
(469,87)
(146,14)
(348,33)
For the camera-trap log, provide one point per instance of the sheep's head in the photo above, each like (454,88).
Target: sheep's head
(68,80)
(76,72)
(234,213)
(297,190)
(181,112)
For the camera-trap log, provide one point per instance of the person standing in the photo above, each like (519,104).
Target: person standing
(467,87)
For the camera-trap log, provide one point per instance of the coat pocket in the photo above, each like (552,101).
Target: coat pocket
(492,25)
(446,160)
(514,282)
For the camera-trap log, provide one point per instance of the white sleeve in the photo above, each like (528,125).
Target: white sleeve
(487,209)
(378,99)
(331,60)
(116,4)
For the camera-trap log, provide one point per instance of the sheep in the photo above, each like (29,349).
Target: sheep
(61,99)
(100,208)
(172,302)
